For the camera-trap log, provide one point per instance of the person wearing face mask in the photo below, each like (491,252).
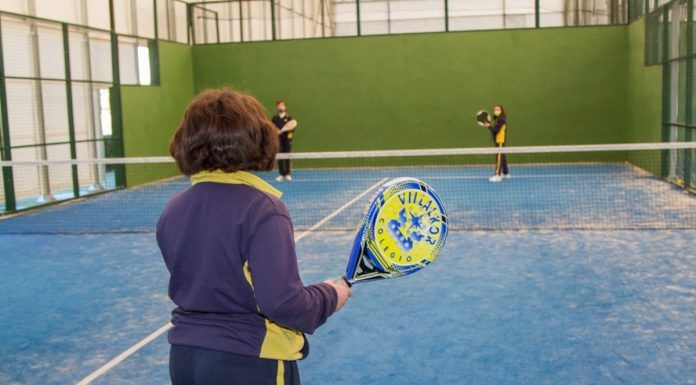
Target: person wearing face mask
(286,125)
(498,129)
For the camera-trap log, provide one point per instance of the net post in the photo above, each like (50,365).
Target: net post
(688,160)
(71,114)
(537,16)
(6,153)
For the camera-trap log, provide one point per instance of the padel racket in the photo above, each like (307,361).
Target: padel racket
(482,117)
(402,231)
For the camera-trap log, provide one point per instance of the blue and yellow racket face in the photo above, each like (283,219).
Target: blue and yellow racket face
(403,231)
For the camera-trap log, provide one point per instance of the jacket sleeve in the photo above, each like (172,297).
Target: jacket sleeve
(495,128)
(279,291)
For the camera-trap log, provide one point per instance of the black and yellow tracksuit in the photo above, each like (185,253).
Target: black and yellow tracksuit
(499,132)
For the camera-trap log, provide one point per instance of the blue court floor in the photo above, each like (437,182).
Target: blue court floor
(592,306)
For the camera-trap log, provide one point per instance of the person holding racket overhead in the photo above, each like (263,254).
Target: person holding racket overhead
(498,129)
(241,309)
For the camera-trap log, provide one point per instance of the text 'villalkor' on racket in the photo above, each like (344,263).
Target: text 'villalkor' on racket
(403,230)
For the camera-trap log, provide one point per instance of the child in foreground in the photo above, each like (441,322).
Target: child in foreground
(241,308)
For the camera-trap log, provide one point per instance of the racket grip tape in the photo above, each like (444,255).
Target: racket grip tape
(347,282)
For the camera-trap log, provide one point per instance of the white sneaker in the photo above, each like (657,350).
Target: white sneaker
(506,176)
(280,178)
(288,178)
(495,178)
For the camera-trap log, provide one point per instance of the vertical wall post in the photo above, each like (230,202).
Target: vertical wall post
(190,22)
(646,38)
(688,133)
(155,19)
(153,50)
(6,151)
(615,15)
(40,111)
(446,15)
(273,17)
(537,14)
(94,134)
(117,149)
(666,81)
(217,27)
(357,15)
(71,116)
(171,22)
(323,19)
(241,22)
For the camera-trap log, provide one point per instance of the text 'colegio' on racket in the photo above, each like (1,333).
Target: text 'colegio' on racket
(402,231)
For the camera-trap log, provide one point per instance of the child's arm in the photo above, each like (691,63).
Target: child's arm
(280,294)
(495,128)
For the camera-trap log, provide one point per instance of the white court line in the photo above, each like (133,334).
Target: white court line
(472,177)
(124,355)
(338,210)
(128,352)
(531,176)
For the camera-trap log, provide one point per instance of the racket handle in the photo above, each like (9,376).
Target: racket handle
(347,282)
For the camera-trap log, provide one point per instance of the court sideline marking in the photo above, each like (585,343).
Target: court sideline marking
(476,177)
(128,352)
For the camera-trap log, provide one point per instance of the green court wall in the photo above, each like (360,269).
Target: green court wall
(644,99)
(559,86)
(644,89)
(152,113)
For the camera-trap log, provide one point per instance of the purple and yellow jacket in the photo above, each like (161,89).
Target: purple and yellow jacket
(228,244)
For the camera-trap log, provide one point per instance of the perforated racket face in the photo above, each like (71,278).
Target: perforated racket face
(403,230)
(483,116)
(409,226)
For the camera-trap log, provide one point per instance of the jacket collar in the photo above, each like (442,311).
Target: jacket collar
(239,177)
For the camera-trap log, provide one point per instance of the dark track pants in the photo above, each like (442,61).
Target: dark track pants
(501,166)
(284,164)
(195,366)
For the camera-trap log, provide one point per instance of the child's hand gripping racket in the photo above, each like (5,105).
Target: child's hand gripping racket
(403,231)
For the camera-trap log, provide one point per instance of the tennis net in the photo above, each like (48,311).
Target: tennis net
(594,187)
